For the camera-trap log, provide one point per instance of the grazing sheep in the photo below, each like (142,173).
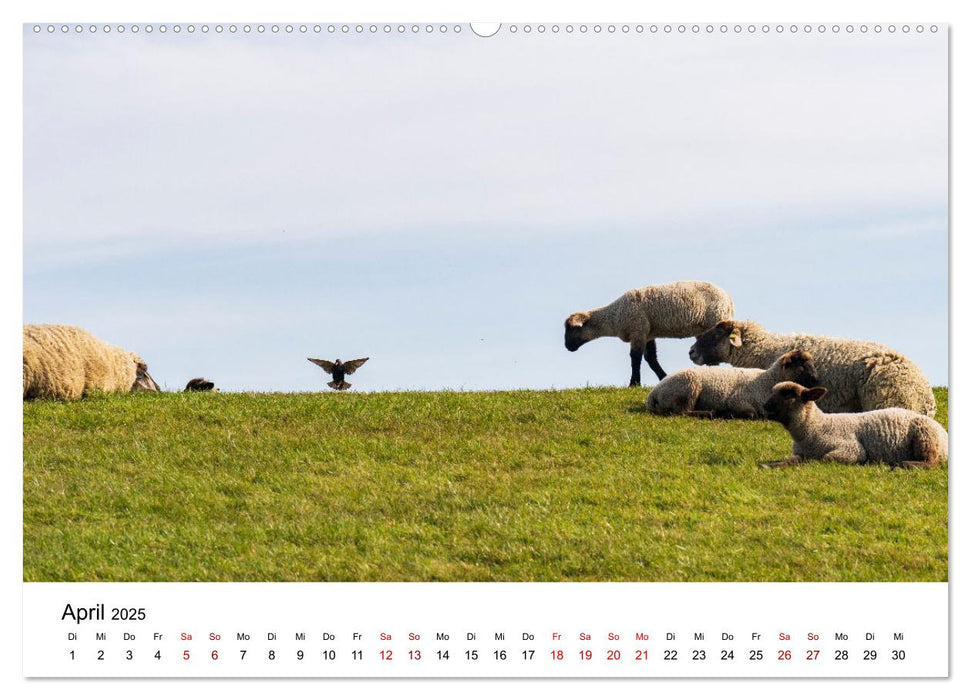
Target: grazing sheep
(675,310)
(859,375)
(895,436)
(200,384)
(728,392)
(65,362)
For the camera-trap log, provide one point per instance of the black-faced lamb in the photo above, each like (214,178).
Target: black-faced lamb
(859,375)
(674,310)
(894,436)
(728,392)
(66,362)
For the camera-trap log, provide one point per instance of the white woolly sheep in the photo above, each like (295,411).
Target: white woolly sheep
(65,362)
(728,392)
(859,375)
(674,310)
(894,436)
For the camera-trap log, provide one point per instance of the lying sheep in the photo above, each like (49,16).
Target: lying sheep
(65,362)
(895,436)
(200,384)
(675,310)
(728,392)
(859,375)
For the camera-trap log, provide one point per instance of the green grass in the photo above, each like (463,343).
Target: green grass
(508,486)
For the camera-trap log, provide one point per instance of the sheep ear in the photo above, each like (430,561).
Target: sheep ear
(814,394)
(735,338)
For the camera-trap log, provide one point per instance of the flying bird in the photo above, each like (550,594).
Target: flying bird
(338,369)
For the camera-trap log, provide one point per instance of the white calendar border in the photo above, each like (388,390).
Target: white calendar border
(507,10)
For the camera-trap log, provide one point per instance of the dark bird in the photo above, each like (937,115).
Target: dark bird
(200,384)
(338,369)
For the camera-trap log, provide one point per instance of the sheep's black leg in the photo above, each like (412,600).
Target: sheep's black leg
(650,354)
(635,366)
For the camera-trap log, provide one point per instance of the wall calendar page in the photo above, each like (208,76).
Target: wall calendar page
(456,350)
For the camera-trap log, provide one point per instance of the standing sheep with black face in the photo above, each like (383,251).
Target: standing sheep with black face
(894,436)
(728,392)
(859,375)
(675,310)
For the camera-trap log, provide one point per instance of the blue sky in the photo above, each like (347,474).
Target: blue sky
(228,205)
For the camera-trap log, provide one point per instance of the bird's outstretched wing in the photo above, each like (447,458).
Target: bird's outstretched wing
(323,364)
(351,366)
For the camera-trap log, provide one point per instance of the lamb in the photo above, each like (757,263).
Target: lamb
(66,362)
(859,375)
(674,310)
(728,392)
(894,436)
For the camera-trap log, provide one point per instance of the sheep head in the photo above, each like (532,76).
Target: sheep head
(715,345)
(789,399)
(580,329)
(200,384)
(798,366)
(143,380)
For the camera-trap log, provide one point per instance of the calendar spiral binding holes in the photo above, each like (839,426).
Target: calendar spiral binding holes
(381,29)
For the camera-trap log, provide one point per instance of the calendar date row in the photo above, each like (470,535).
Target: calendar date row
(496,655)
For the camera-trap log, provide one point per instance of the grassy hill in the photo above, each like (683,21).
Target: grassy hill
(526,485)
